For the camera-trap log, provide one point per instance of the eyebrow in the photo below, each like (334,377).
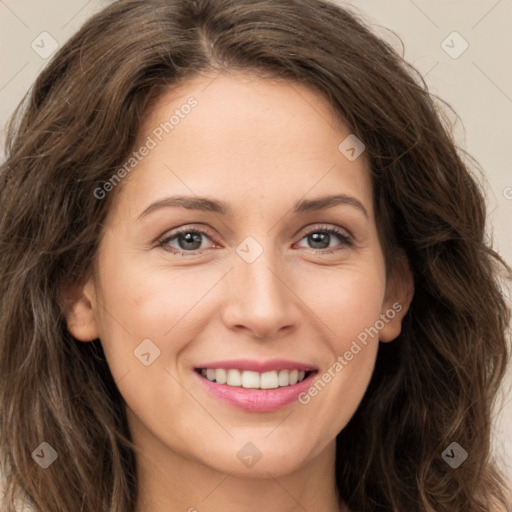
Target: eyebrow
(208,204)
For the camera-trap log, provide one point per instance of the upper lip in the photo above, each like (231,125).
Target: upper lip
(258,366)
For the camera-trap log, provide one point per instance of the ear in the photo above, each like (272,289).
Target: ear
(399,293)
(78,305)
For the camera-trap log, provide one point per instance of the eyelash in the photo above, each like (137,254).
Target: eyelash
(163,241)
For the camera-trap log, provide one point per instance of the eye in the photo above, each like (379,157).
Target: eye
(321,236)
(188,239)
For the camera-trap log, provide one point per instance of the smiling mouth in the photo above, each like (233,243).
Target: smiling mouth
(254,380)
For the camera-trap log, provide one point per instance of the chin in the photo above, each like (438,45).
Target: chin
(259,457)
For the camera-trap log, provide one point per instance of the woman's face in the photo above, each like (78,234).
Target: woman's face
(276,286)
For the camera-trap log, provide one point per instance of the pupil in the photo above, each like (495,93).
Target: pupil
(191,238)
(320,238)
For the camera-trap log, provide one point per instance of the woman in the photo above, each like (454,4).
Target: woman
(334,337)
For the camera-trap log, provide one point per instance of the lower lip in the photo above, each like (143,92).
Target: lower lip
(257,400)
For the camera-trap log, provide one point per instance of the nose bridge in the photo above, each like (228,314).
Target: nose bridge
(262,300)
(258,268)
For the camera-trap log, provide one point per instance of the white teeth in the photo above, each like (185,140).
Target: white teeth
(234,378)
(254,380)
(221,376)
(284,378)
(250,379)
(269,380)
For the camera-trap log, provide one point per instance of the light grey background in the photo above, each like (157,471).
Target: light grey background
(477,83)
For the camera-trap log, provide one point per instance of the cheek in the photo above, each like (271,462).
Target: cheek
(150,303)
(348,301)
(144,328)
(155,302)
(350,305)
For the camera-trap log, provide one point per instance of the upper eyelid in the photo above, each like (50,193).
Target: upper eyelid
(176,231)
(204,230)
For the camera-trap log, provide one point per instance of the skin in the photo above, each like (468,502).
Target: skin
(259,145)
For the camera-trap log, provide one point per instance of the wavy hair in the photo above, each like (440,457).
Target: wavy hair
(435,384)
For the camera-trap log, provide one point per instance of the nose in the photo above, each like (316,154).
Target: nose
(262,300)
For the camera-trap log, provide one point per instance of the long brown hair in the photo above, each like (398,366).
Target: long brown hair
(436,384)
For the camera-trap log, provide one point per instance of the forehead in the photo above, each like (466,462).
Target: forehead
(243,138)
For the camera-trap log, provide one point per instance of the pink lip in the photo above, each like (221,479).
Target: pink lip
(257,400)
(258,366)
